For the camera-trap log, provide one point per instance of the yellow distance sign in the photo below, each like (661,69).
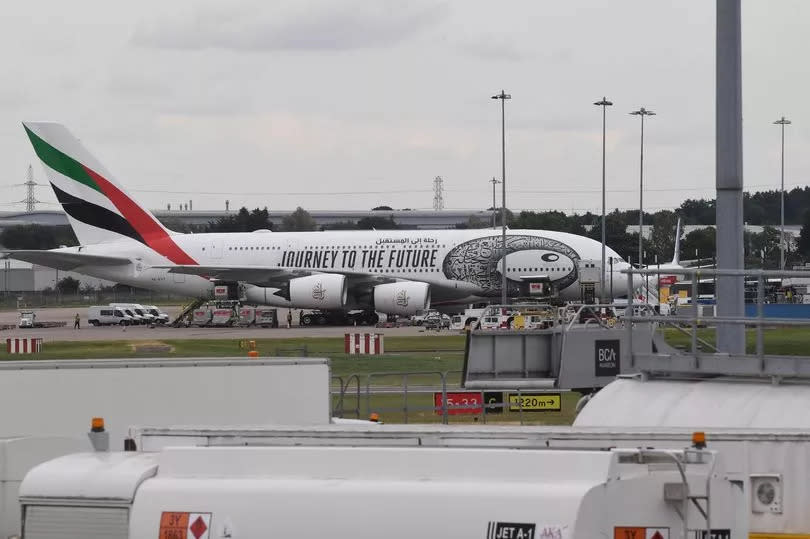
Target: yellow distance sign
(535,402)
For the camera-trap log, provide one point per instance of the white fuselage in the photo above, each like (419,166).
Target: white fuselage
(437,257)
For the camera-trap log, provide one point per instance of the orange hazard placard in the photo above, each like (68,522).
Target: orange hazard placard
(177,525)
(173,525)
(627,533)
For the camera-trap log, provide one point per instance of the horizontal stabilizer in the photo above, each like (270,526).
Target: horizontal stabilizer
(64,260)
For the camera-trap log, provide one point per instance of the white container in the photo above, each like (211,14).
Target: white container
(222,316)
(247,315)
(201,316)
(266,318)
(49,404)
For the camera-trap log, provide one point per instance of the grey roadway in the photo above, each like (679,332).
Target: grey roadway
(89,333)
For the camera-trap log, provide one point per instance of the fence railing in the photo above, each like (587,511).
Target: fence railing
(52,298)
(765,365)
(432,396)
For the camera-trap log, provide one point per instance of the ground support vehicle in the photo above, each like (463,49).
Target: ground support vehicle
(104,315)
(160,316)
(129,309)
(436,321)
(28,319)
(497,492)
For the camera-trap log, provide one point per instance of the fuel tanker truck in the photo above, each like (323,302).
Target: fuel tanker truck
(391,492)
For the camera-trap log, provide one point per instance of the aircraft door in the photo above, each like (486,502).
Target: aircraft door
(292,247)
(216,248)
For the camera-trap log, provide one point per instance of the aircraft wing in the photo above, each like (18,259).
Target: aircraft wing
(269,275)
(64,260)
(277,277)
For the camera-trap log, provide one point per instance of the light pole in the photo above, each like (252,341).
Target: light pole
(604,104)
(503,96)
(782,123)
(493,181)
(642,112)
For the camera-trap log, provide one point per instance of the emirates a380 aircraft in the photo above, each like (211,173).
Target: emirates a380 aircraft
(391,271)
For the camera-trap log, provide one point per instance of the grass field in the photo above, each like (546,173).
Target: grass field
(777,341)
(422,353)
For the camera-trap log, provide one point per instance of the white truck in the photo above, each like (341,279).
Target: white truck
(396,492)
(767,465)
(28,319)
(469,318)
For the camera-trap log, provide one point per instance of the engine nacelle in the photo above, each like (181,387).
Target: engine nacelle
(320,291)
(405,298)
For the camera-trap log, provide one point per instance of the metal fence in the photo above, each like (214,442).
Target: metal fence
(53,298)
(757,364)
(430,396)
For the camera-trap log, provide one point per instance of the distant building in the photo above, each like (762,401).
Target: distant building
(17,276)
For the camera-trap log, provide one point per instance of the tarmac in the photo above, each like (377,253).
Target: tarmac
(111,333)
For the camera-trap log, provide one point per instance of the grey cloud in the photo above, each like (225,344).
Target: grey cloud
(492,47)
(312,26)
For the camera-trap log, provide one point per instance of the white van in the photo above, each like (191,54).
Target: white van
(148,317)
(129,309)
(160,316)
(107,316)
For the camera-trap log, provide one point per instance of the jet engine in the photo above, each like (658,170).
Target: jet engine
(405,298)
(319,291)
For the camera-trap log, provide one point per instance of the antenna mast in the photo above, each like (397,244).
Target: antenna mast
(438,193)
(30,198)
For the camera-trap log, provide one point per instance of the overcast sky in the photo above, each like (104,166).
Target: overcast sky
(354,103)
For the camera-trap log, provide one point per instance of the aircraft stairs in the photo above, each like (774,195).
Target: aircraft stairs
(178,321)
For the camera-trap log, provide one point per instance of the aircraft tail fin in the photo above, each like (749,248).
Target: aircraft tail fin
(98,208)
(676,257)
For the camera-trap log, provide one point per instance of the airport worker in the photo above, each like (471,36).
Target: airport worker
(76,321)
(289,318)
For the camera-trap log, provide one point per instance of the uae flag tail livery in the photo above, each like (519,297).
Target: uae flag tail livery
(98,208)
